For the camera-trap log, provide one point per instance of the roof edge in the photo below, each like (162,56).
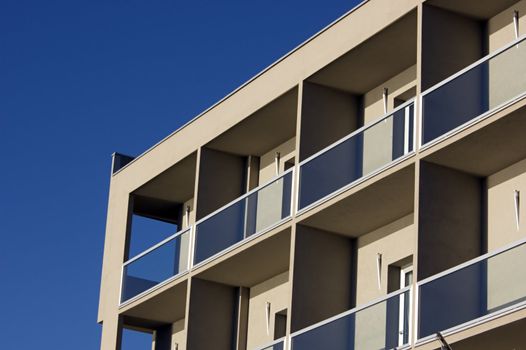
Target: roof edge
(233,92)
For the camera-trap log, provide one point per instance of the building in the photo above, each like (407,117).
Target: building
(363,192)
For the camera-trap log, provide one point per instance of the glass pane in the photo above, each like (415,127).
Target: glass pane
(278,346)
(475,92)
(252,214)
(472,292)
(156,266)
(357,156)
(376,327)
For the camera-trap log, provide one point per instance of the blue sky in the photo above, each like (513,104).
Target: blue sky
(80,80)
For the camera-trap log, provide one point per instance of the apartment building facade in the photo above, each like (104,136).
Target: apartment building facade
(363,192)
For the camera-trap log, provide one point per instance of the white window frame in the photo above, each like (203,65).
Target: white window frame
(405,299)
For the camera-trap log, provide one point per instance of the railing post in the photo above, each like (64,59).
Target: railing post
(415,311)
(191,246)
(121,284)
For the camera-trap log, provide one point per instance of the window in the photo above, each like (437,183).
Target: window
(404,324)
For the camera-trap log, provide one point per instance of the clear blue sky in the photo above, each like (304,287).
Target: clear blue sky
(80,80)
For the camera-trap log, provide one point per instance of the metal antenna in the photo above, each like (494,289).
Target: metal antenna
(277,161)
(379,270)
(517,200)
(267,314)
(516,23)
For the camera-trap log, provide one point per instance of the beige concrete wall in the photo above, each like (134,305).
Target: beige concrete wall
(178,335)
(114,254)
(270,199)
(450,42)
(322,282)
(505,69)
(450,228)
(221,180)
(276,291)
(503,283)
(501,30)
(395,242)
(267,168)
(502,223)
(242,304)
(397,85)
(327,116)
(211,312)
(378,140)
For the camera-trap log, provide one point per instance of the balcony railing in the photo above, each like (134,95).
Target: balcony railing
(476,91)
(382,324)
(490,284)
(156,265)
(362,153)
(275,345)
(255,212)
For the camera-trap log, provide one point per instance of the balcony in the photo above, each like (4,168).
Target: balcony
(255,212)
(156,265)
(359,155)
(466,295)
(382,324)
(472,292)
(477,91)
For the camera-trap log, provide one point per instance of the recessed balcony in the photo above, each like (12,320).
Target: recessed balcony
(472,292)
(357,113)
(357,156)
(256,212)
(157,265)
(381,324)
(159,228)
(479,90)
(259,275)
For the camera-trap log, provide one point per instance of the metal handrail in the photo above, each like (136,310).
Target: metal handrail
(122,303)
(472,262)
(157,245)
(268,345)
(475,320)
(474,65)
(240,198)
(352,311)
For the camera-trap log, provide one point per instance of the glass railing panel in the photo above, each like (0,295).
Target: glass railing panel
(156,265)
(476,91)
(474,291)
(259,210)
(359,155)
(379,326)
(278,345)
